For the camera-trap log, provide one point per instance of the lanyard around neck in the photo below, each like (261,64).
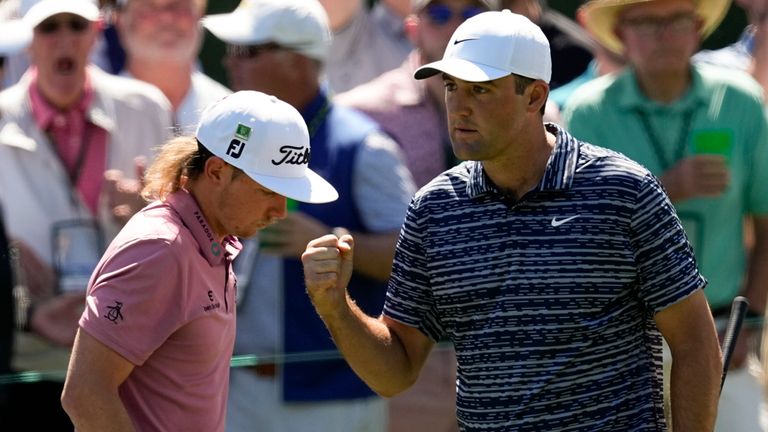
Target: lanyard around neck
(75,172)
(657,145)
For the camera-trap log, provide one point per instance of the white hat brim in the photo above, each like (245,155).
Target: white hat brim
(464,70)
(310,188)
(233,28)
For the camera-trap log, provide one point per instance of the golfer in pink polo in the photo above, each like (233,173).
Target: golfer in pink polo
(155,339)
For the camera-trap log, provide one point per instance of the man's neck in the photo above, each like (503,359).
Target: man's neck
(522,170)
(173,79)
(664,88)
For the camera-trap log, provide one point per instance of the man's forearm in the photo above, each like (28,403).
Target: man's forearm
(373,351)
(695,383)
(99,413)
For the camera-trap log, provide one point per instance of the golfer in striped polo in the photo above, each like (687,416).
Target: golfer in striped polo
(554,266)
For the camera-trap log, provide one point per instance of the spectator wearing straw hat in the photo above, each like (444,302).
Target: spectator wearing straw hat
(703,132)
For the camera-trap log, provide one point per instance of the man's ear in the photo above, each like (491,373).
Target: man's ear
(538,93)
(216,169)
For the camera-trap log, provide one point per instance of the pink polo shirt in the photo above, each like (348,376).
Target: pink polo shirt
(80,144)
(163,297)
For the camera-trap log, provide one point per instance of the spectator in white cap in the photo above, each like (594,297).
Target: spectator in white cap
(162,39)
(155,340)
(552,265)
(279,47)
(64,124)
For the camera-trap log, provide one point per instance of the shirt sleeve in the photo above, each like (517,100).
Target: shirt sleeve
(667,269)
(135,301)
(383,186)
(409,294)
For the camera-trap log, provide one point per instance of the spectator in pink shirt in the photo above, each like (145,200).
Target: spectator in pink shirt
(154,345)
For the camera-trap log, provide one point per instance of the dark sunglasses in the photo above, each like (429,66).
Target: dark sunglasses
(252,51)
(441,14)
(50,26)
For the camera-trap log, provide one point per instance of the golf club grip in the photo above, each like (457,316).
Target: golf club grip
(735,319)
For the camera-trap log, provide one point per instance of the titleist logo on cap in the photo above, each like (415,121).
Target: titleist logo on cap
(293,155)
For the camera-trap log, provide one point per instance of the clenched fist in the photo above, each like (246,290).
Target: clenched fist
(327,270)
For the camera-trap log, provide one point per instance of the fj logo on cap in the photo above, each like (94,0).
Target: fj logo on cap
(235,148)
(243,132)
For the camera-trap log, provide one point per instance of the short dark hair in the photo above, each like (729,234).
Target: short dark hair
(522,83)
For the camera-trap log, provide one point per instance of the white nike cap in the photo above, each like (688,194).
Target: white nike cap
(492,45)
(268,140)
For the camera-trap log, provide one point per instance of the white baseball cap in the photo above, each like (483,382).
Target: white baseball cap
(36,11)
(492,45)
(301,25)
(15,35)
(268,140)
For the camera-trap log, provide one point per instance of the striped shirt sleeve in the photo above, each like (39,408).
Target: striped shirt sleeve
(667,269)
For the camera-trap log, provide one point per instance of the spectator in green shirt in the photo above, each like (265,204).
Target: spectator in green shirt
(703,132)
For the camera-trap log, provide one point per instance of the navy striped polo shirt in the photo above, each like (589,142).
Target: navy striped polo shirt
(549,301)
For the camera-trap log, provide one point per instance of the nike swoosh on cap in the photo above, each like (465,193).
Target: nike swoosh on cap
(458,41)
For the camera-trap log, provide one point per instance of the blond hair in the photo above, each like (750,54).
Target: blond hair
(179,160)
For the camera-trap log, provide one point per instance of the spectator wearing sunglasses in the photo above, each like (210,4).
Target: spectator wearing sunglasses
(64,124)
(162,39)
(366,42)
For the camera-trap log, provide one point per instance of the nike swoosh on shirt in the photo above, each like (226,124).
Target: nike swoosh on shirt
(557,222)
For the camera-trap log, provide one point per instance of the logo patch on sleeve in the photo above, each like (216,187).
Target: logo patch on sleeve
(114,312)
